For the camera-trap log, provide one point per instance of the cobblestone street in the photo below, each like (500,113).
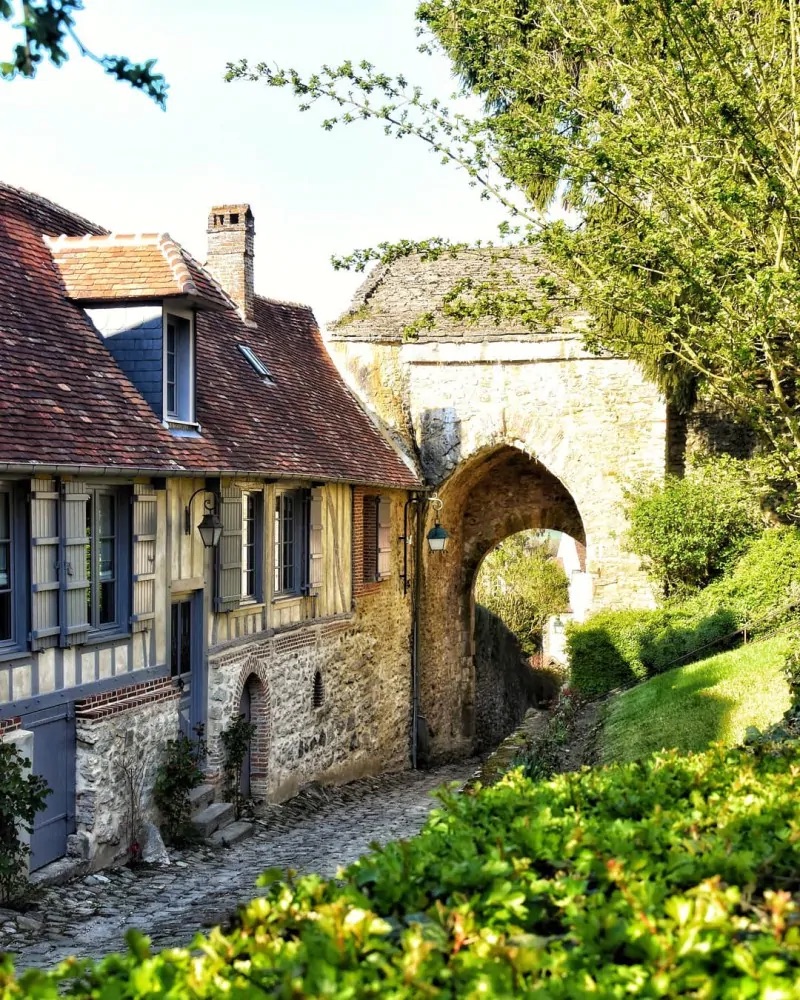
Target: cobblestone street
(316,832)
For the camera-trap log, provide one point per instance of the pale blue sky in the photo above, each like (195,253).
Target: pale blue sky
(107,152)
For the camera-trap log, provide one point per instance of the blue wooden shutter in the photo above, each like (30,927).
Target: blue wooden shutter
(228,591)
(44,564)
(384,538)
(315,553)
(145,527)
(73,559)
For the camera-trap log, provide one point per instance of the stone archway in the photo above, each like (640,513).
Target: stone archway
(498,493)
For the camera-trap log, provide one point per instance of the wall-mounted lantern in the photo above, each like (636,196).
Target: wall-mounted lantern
(210,527)
(437,536)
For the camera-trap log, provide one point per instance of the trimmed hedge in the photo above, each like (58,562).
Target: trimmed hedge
(670,877)
(617,648)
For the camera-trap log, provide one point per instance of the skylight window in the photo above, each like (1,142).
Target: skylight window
(257,364)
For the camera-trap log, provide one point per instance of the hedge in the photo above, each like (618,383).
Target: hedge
(665,878)
(617,648)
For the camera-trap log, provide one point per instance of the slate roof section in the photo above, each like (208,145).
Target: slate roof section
(136,267)
(65,402)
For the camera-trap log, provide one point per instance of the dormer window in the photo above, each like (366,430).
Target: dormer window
(178,368)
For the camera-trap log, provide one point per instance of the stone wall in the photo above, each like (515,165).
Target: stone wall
(120,741)
(360,725)
(505,687)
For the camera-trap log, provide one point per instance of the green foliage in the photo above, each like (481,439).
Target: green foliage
(47,25)
(667,130)
(235,740)
(178,773)
(617,648)
(542,758)
(21,797)
(672,877)
(690,530)
(521,584)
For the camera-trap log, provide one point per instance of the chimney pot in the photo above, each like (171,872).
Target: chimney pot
(231,238)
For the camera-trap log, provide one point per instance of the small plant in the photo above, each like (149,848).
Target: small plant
(177,775)
(21,797)
(132,775)
(235,741)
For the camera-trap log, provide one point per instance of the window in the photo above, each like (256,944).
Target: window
(257,364)
(370,536)
(376,539)
(6,570)
(104,557)
(178,369)
(252,534)
(291,542)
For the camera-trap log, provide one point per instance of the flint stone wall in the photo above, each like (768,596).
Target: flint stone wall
(135,738)
(362,725)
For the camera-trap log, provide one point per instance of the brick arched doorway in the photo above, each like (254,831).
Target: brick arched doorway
(253,703)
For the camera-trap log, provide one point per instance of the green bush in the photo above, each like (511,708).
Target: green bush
(178,773)
(666,878)
(689,531)
(21,797)
(617,648)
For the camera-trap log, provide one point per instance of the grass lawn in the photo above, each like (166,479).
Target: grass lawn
(690,707)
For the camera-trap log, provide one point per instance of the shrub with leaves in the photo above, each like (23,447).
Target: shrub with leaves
(671,877)
(689,531)
(21,797)
(235,740)
(179,772)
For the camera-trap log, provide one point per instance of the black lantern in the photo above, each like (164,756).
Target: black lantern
(210,527)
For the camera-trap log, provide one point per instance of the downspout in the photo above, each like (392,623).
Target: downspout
(416,599)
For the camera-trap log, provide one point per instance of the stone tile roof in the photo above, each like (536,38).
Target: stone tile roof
(65,402)
(115,267)
(407,299)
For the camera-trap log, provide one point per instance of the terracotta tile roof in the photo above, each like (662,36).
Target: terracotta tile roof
(130,267)
(64,401)
(306,424)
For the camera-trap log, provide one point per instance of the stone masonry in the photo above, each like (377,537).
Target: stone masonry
(515,430)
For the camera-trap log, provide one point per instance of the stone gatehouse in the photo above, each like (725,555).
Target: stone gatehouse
(514,430)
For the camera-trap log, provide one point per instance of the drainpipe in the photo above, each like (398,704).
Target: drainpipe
(416,596)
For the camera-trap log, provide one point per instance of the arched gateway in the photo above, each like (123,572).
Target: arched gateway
(515,430)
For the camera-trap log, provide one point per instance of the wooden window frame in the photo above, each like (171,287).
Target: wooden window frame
(122,542)
(18,575)
(252,547)
(182,352)
(296,545)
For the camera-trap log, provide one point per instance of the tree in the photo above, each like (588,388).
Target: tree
(47,25)
(523,585)
(670,131)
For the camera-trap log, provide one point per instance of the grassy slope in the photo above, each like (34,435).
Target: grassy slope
(690,707)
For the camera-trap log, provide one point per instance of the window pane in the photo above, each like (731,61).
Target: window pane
(174,661)
(186,637)
(106,610)
(5,565)
(5,616)
(105,510)
(5,517)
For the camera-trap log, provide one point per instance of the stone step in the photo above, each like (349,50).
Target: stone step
(213,817)
(201,797)
(232,834)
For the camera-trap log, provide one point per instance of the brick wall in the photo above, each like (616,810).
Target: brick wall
(9,725)
(231,245)
(101,706)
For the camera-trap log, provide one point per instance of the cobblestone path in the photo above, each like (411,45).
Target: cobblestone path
(89,916)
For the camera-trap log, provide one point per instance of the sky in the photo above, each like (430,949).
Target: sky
(107,152)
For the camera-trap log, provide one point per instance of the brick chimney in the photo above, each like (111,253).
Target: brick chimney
(231,237)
